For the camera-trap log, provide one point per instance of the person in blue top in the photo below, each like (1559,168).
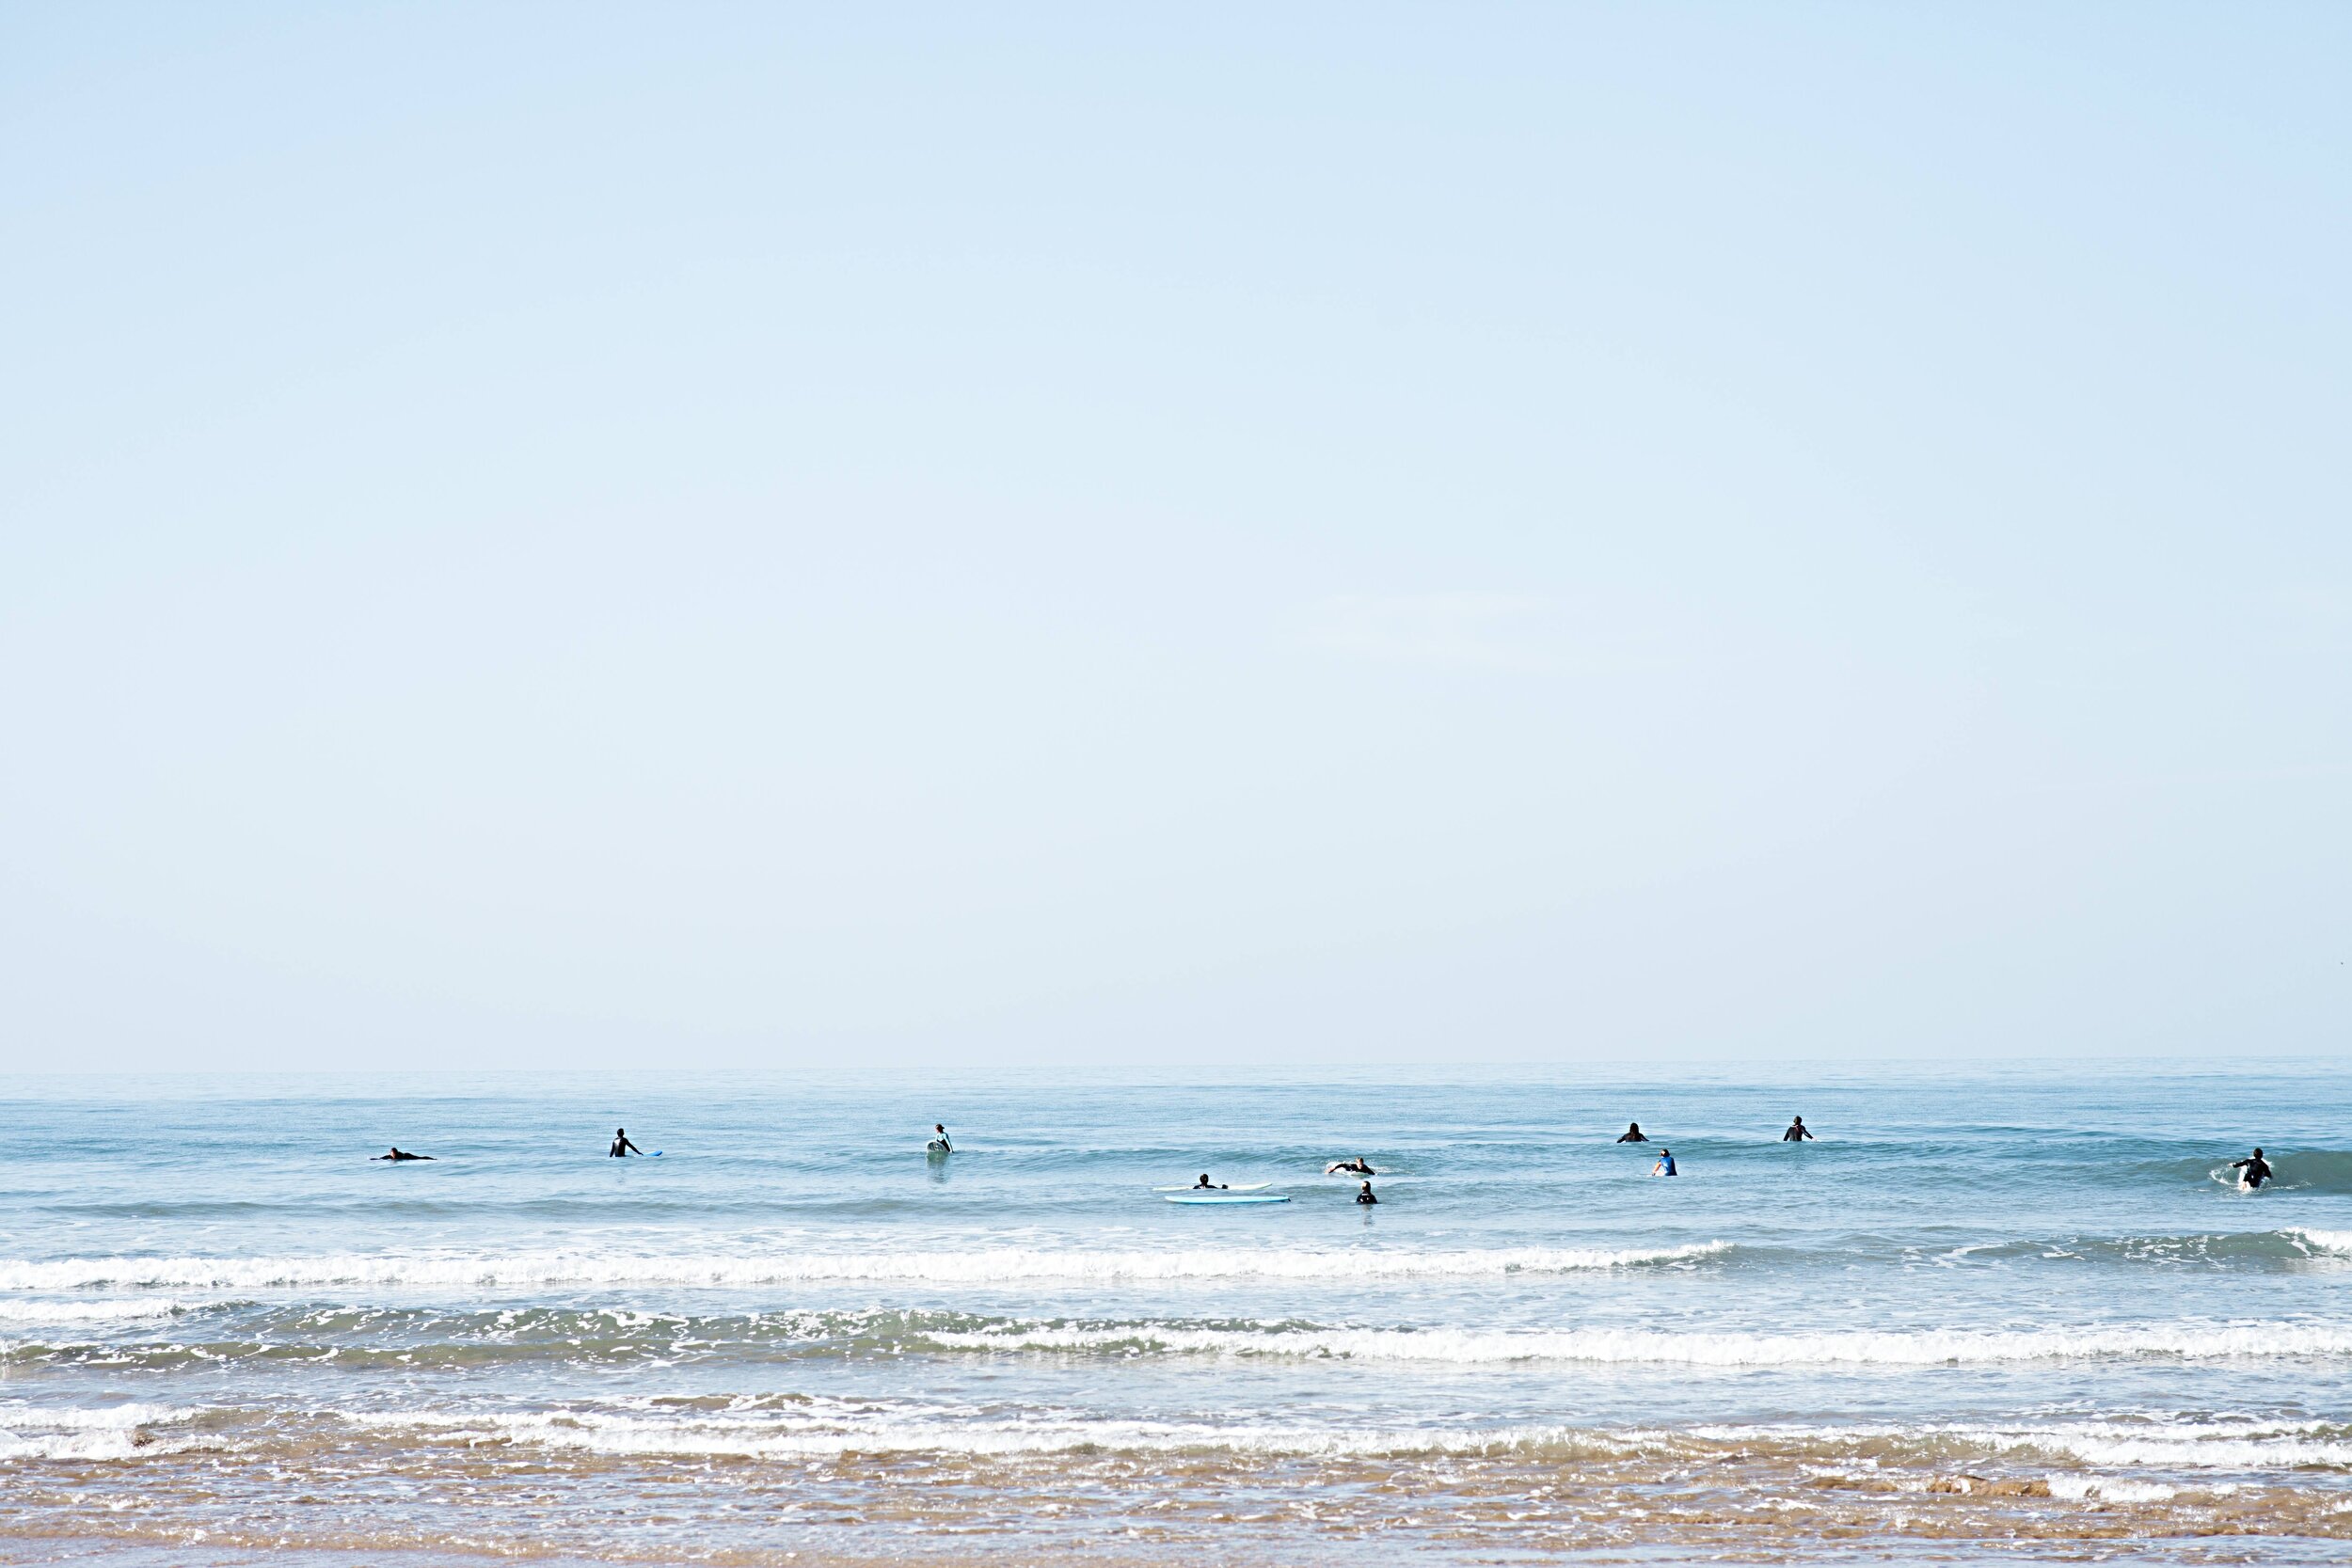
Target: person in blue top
(1665,1166)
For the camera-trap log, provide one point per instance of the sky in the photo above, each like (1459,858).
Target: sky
(898,535)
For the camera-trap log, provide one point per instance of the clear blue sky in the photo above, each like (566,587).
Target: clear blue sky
(736,534)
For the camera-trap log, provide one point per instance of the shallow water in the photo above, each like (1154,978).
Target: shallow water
(2021,1311)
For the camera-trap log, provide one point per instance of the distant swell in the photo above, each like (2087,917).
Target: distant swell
(979,1267)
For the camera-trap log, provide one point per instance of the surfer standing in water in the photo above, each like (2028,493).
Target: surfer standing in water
(1365,1195)
(1205,1183)
(1632,1134)
(1796,1133)
(939,1144)
(622,1148)
(2257,1171)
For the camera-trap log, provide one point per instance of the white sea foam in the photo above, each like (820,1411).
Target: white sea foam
(2109,1489)
(2191,1449)
(15,1310)
(1919,1348)
(2221,1444)
(110,1431)
(2324,1241)
(84,1445)
(109,1418)
(980,1266)
(828,1428)
(818,1427)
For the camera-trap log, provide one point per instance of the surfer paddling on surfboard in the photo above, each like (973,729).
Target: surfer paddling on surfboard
(2256,1171)
(399,1154)
(1349,1167)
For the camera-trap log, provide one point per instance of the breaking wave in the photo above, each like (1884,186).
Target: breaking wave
(984,1266)
(1918,1348)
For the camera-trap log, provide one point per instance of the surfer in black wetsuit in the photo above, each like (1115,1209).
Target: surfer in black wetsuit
(939,1144)
(1634,1134)
(1205,1183)
(1796,1133)
(1365,1195)
(1352,1167)
(622,1148)
(398,1154)
(2257,1171)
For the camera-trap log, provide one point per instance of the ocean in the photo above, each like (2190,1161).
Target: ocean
(2004,1309)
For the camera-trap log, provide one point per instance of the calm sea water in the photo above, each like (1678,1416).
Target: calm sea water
(1997,1308)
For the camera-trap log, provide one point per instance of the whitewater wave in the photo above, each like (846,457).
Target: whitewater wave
(798,1426)
(2205,1249)
(21,1311)
(2208,1442)
(2308,1170)
(2316,1445)
(424,1337)
(112,1431)
(985,1266)
(823,1428)
(1914,1348)
(821,1435)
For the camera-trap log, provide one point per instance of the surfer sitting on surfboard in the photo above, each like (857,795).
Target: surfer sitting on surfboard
(2257,1172)
(1350,1167)
(1665,1166)
(398,1154)
(1633,1134)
